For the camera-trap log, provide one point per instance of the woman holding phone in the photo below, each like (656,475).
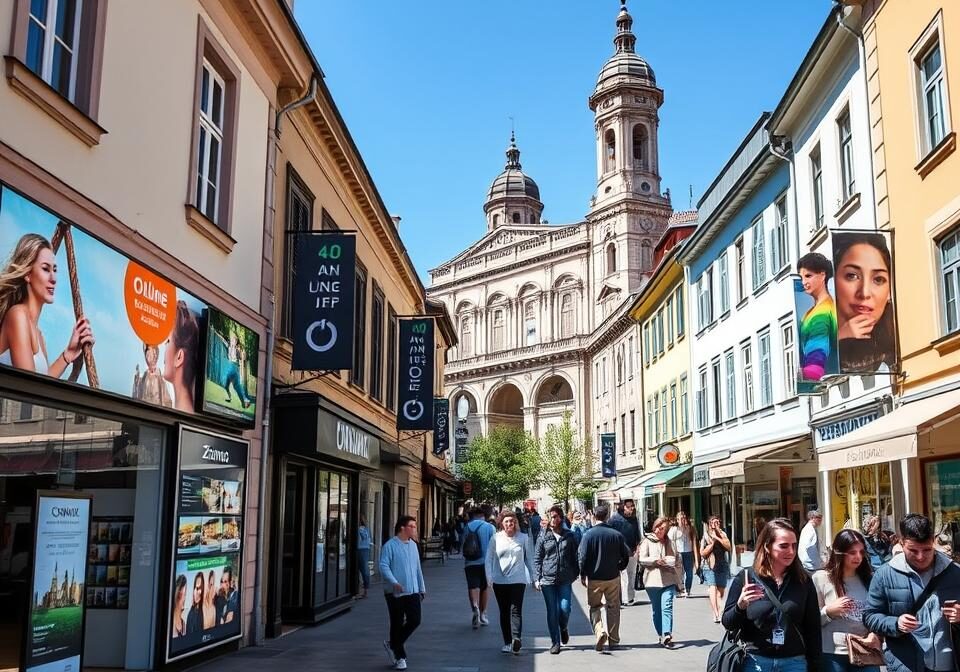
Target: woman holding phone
(774,607)
(715,556)
(660,577)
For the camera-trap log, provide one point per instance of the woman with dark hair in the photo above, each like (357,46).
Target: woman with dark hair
(555,568)
(865,320)
(509,566)
(179,626)
(818,326)
(180,358)
(784,639)
(842,589)
(210,610)
(195,616)
(878,545)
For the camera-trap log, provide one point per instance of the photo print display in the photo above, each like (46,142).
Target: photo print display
(109,562)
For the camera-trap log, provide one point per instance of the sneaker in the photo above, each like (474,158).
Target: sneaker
(667,641)
(390,656)
(555,649)
(476,618)
(630,603)
(401,664)
(483,619)
(506,648)
(564,636)
(516,647)
(601,640)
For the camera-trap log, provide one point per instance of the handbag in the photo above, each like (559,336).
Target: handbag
(728,654)
(638,581)
(862,655)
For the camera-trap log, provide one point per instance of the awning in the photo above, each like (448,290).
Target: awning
(440,476)
(625,490)
(733,466)
(892,436)
(658,482)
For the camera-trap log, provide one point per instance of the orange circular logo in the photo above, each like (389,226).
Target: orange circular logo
(151,303)
(668,454)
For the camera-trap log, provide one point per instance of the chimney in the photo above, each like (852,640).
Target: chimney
(396,221)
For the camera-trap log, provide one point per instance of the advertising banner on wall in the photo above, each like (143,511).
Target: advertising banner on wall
(816,314)
(230,375)
(415,380)
(608,455)
(441,426)
(206,584)
(55,625)
(865,283)
(324,270)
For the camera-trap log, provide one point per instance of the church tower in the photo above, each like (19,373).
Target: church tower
(514,198)
(628,212)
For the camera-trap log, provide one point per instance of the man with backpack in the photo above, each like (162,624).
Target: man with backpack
(476,538)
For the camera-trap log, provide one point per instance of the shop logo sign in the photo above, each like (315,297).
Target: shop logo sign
(353,441)
(214,455)
(416,358)
(441,426)
(836,430)
(608,454)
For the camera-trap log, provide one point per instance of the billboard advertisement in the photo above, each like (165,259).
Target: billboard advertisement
(416,362)
(205,584)
(816,313)
(230,380)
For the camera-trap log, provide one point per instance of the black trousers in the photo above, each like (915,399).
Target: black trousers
(510,603)
(404,619)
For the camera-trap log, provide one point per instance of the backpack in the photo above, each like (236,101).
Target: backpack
(472,549)
(727,655)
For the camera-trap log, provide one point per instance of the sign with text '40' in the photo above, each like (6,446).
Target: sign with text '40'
(323,287)
(415,380)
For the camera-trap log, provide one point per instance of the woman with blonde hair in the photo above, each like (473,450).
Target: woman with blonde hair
(27,283)
(509,565)
(660,577)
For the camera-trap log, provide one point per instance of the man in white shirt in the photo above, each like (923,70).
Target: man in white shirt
(809,545)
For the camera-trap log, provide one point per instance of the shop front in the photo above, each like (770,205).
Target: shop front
(123,462)
(319,452)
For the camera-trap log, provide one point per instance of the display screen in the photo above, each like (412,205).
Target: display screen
(205,589)
(230,380)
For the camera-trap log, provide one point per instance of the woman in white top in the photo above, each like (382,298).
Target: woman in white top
(509,565)
(842,589)
(683,536)
(26,284)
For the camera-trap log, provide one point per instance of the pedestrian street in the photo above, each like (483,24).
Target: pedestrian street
(445,641)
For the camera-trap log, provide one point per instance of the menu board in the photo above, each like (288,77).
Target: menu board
(205,582)
(108,563)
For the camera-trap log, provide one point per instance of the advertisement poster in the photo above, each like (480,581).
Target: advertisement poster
(864,283)
(205,584)
(105,321)
(441,426)
(816,313)
(108,563)
(230,380)
(324,269)
(55,627)
(416,362)
(608,455)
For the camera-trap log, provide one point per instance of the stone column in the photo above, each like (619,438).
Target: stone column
(530,419)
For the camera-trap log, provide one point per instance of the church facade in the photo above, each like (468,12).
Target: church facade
(542,311)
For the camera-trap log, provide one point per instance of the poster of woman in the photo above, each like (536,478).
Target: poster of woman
(866,327)
(816,323)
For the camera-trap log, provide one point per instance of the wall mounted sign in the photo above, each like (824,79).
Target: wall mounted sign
(668,455)
(701,476)
(840,428)
(608,455)
(461,436)
(54,631)
(230,380)
(415,380)
(441,426)
(323,321)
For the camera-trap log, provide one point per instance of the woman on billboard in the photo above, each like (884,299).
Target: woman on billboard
(818,326)
(864,286)
(180,357)
(27,283)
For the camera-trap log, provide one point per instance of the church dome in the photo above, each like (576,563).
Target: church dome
(512,182)
(626,61)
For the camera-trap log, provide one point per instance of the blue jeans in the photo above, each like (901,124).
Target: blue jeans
(661,599)
(687,558)
(755,663)
(233,376)
(557,599)
(831,662)
(363,560)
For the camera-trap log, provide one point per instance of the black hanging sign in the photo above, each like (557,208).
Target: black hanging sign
(608,454)
(461,435)
(415,386)
(324,268)
(441,426)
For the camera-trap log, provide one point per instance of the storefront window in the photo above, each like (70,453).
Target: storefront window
(861,492)
(942,480)
(333,520)
(762,504)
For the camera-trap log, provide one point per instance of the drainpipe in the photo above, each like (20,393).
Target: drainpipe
(782,148)
(268,216)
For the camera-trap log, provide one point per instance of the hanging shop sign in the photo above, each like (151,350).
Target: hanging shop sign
(840,428)
(230,374)
(205,582)
(416,361)
(668,455)
(54,632)
(441,426)
(608,454)
(461,436)
(701,476)
(323,296)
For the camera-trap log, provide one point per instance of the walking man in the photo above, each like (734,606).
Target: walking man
(809,544)
(602,555)
(476,539)
(403,587)
(628,525)
(913,602)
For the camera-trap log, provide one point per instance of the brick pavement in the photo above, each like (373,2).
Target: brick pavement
(445,641)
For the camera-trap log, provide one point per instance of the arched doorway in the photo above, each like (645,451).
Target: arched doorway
(505,407)
(554,399)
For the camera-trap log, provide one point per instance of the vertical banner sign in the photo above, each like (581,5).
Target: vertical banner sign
(54,629)
(461,436)
(608,454)
(441,426)
(415,410)
(324,269)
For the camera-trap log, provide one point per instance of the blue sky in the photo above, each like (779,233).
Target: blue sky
(428,88)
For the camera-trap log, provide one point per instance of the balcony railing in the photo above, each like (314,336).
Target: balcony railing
(571,343)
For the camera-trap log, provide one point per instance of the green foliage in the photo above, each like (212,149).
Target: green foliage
(567,463)
(502,466)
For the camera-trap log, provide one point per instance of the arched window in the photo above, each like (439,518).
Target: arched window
(497,330)
(567,324)
(516,218)
(496,220)
(639,146)
(646,256)
(533,218)
(611,258)
(466,337)
(530,323)
(610,150)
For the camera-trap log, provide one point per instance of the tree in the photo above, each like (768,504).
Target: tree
(502,466)
(566,462)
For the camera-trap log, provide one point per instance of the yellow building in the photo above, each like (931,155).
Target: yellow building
(911,72)
(660,309)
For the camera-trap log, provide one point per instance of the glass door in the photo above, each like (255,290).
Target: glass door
(292,565)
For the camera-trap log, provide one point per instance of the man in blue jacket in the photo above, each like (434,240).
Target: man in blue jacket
(603,554)
(918,636)
(403,587)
